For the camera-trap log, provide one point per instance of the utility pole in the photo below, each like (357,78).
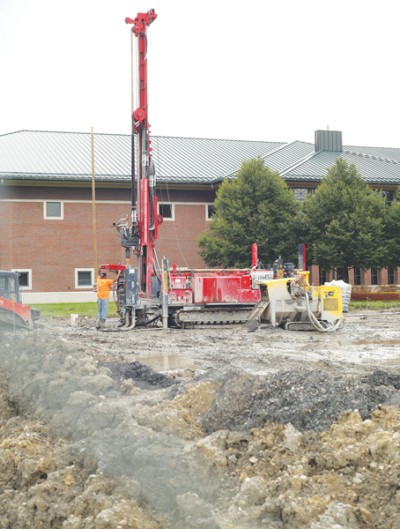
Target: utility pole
(94,210)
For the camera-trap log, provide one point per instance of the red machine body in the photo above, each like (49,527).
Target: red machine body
(23,317)
(12,312)
(212,287)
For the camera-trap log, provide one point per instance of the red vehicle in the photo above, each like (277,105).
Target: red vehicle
(150,291)
(12,312)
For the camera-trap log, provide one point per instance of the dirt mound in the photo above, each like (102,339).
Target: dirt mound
(44,485)
(222,450)
(67,388)
(310,400)
(143,376)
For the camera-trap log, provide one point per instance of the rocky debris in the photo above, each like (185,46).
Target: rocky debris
(221,450)
(180,416)
(43,486)
(92,412)
(309,400)
(345,477)
(336,516)
(143,376)
(381,378)
(195,513)
(292,439)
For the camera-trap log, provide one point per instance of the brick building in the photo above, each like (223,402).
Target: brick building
(46,198)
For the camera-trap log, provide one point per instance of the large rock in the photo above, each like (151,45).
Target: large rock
(292,439)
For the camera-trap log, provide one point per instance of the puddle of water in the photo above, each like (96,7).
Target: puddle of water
(166,362)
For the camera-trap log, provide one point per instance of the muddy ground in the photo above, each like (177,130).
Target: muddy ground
(202,428)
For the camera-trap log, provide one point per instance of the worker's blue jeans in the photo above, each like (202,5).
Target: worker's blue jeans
(103,307)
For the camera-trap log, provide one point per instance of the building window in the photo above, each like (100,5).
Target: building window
(167,211)
(342,273)
(357,276)
(25,278)
(54,210)
(390,196)
(374,277)
(84,277)
(390,272)
(210,210)
(300,193)
(322,276)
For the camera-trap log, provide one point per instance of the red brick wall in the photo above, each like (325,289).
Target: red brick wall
(314,275)
(366,277)
(176,239)
(54,248)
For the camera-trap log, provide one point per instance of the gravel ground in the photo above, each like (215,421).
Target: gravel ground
(266,429)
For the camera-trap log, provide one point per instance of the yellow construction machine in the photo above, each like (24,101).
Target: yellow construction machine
(294,304)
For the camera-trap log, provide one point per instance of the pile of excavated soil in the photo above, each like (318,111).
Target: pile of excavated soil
(345,477)
(43,484)
(82,445)
(310,400)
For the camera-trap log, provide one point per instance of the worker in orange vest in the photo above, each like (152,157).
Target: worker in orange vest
(103,294)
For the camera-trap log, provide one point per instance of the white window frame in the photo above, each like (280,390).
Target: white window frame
(45,210)
(172,209)
(77,287)
(24,270)
(206,206)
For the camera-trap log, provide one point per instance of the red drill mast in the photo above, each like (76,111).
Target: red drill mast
(142,234)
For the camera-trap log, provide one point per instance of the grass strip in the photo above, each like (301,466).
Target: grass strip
(64,309)
(373,305)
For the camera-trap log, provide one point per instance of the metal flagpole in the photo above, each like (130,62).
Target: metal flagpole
(94,210)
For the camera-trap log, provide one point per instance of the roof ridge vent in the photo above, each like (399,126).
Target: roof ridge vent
(372,157)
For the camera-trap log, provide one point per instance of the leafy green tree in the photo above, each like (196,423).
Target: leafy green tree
(392,233)
(343,224)
(256,207)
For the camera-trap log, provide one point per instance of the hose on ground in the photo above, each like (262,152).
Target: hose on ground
(316,324)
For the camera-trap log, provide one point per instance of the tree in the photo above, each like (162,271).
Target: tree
(343,224)
(392,233)
(256,207)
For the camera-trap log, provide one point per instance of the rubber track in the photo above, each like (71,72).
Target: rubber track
(231,317)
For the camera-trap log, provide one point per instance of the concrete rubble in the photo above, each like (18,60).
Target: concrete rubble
(92,437)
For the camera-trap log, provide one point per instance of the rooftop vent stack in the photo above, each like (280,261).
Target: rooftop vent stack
(328,140)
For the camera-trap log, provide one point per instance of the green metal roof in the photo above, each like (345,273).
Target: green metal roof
(67,156)
(62,156)
(373,169)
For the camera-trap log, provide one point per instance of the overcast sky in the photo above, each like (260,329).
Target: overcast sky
(254,70)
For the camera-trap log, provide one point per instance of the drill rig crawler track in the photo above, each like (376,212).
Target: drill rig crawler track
(207,315)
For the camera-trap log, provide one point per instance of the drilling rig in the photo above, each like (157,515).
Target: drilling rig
(149,291)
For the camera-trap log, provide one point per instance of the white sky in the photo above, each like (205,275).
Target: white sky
(256,70)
